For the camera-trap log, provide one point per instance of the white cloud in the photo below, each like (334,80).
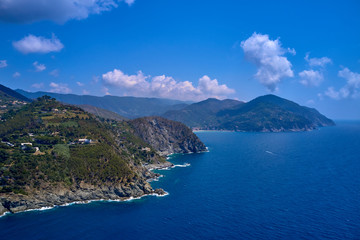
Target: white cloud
(212,87)
(129,2)
(59,88)
(85,92)
(39,67)
(80,84)
(105,90)
(330,92)
(351,88)
(310,102)
(34,44)
(16,75)
(3,63)
(311,78)
(267,55)
(163,86)
(60,11)
(54,73)
(317,62)
(37,85)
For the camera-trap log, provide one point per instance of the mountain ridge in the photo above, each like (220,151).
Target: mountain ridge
(268,113)
(128,107)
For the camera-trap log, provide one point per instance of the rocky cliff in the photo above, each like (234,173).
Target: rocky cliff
(167,136)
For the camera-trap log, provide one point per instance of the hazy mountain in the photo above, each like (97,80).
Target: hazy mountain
(9,94)
(264,114)
(129,107)
(202,113)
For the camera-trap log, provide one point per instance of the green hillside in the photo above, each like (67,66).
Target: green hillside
(47,143)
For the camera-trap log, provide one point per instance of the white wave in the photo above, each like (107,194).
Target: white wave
(183,165)
(166,168)
(40,209)
(5,213)
(90,201)
(270,152)
(156,179)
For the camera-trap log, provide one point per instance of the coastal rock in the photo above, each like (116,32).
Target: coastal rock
(61,196)
(2,209)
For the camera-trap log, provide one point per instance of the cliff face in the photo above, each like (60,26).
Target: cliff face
(167,136)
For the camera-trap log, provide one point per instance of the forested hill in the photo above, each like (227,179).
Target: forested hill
(267,113)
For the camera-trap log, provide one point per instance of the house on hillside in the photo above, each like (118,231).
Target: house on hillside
(84,141)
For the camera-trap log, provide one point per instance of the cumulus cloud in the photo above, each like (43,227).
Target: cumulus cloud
(59,88)
(34,44)
(268,56)
(85,92)
(39,67)
(3,63)
(16,75)
(317,62)
(311,78)
(80,84)
(163,86)
(60,11)
(351,88)
(332,93)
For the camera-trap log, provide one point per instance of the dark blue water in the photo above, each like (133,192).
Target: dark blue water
(249,186)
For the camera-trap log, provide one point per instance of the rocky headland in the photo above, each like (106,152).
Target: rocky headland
(54,154)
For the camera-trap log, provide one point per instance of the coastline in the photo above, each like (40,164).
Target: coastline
(87,202)
(151,176)
(154,192)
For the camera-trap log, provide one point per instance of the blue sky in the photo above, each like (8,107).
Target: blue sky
(306,51)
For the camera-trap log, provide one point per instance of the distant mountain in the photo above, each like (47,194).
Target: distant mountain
(202,114)
(267,113)
(103,113)
(129,107)
(9,100)
(9,94)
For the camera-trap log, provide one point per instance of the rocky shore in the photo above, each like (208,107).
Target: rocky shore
(59,195)
(84,192)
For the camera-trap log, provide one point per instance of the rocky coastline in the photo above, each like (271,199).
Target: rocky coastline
(82,193)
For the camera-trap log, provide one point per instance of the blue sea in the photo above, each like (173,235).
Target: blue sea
(303,185)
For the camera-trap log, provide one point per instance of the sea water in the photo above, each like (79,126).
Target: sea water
(303,185)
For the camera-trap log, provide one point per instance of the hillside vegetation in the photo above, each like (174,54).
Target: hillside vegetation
(47,142)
